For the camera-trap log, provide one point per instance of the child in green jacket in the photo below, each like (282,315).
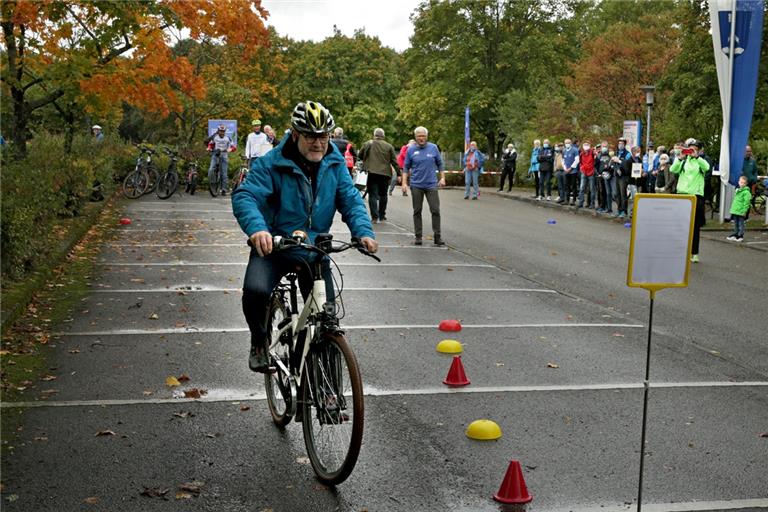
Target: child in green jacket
(739,208)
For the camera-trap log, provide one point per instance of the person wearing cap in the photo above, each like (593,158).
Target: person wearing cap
(690,170)
(299,185)
(98,135)
(508,167)
(255,142)
(220,145)
(650,168)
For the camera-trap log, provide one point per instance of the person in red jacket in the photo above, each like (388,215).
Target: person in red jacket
(587,173)
(400,162)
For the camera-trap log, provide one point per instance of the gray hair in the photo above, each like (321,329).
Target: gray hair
(338,132)
(421,129)
(378,133)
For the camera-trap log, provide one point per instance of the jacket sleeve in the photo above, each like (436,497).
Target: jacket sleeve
(703,165)
(393,161)
(676,167)
(249,200)
(407,162)
(350,204)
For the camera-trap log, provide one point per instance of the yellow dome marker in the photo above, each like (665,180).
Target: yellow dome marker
(449,347)
(483,430)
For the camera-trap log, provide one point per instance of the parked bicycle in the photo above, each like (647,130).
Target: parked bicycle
(759,197)
(241,174)
(169,181)
(191,178)
(215,176)
(314,376)
(143,178)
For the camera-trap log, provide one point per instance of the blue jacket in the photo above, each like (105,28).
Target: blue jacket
(480,160)
(534,160)
(421,164)
(277,197)
(654,164)
(569,157)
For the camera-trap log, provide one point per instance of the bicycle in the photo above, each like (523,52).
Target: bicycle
(191,178)
(169,182)
(139,181)
(313,374)
(241,174)
(757,205)
(215,177)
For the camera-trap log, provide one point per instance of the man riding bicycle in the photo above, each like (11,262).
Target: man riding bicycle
(220,145)
(298,186)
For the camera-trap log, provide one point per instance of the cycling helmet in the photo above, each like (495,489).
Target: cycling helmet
(256,122)
(222,127)
(312,117)
(96,127)
(692,142)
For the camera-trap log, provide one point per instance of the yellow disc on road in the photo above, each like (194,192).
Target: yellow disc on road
(483,430)
(449,347)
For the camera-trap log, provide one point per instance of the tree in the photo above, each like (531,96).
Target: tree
(99,53)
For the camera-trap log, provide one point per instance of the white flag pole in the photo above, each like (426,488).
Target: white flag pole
(725,202)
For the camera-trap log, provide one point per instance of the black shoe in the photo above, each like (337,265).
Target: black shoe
(417,241)
(439,242)
(223,193)
(382,219)
(258,360)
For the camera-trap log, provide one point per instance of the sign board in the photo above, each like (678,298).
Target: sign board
(660,246)
(231,125)
(633,132)
(637,170)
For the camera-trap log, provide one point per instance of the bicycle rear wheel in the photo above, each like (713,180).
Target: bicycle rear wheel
(135,184)
(167,185)
(333,410)
(153,176)
(278,384)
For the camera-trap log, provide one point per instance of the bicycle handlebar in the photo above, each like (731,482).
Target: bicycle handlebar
(280,243)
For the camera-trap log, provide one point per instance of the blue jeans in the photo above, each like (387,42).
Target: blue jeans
(587,180)
(224,166)
(471,180)
(739,221)
(561,189)
(611,194)
(546,182)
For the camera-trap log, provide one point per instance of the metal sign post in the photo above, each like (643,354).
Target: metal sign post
(659,257)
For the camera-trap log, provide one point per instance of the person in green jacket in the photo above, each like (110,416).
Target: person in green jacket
(690,170)
(739,208)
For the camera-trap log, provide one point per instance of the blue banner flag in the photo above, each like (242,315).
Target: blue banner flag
(737,66)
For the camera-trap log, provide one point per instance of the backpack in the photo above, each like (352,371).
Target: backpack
(348,156)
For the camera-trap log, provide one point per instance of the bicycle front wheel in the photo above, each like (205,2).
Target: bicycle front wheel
(135,184)
(214,179)
(167,185)
(333,410)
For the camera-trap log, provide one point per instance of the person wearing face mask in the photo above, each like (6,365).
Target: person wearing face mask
(690,171)
(560,173)
(630,185)
(650,168)
(571,162)
(508,167)
(546,166)
(587,175)
(605,173)
(534,167)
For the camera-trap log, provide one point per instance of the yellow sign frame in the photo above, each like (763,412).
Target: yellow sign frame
(650,286)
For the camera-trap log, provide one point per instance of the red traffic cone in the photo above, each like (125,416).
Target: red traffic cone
(456,375)
(513,489)
(125,220)
(450,325)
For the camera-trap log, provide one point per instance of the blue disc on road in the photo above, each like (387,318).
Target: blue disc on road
(627,224)
(551,221)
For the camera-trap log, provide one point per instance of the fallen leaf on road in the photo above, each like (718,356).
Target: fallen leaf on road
(92,500)
(552,365)
(183,414)
(449,269)
(153,316)
(762,434)
(618,335)
(183,377)
(569,317)
(74,351)
(155,492)
(146,392)
(183,496)
(104,433)
(195,393)
(245,408)
(49,378)
(194,487)
(302,460)
(172,381)
(499,364)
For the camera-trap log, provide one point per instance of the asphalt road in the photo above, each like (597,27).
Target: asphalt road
(554,346)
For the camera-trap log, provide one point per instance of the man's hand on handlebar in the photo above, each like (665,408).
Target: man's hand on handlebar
(370,244)
(262,241)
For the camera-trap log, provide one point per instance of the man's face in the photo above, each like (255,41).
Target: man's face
(313,147)
(256,128)
(473,146)
(421,138)
(221,133)
(748,152)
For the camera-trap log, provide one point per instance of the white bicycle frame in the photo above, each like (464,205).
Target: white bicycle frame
(298,323)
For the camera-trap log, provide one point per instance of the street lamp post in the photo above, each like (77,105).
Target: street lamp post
(648,90)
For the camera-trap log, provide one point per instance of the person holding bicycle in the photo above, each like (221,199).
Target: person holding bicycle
(220,145)
(298,186)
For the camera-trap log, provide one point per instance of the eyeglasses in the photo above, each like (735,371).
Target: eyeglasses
(314,138)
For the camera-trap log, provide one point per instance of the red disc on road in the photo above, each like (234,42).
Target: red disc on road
(450,326)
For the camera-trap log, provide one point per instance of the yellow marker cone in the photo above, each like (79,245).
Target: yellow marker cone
(449,347)
(483,430)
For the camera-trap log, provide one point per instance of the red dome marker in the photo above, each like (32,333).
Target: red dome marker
(125,220)
(450,326)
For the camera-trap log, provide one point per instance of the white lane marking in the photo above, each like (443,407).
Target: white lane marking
(243,244)
(244,264)
(203,330)
(346,289)
(755,243)
(234,396)
(689,506)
